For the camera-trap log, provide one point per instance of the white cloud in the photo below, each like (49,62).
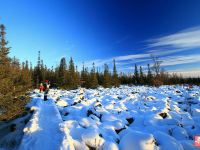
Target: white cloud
(163,52)
(131,57)
(166,61)
(177,60)
(162,47)
(185,39)
(120,60)
(193,72)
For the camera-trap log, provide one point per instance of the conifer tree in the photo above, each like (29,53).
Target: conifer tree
(31,70)
(115,79)
(142,78)
(149,75)
(136,75)
(83,76)
(37,72)
(5,70)
(4,50)
(94,81)
(99,77)
(87,78)
(77,76)
(43,71)
(73,79)
(106,77)
(62,72)
(11,81)
(15,63)
(25,75)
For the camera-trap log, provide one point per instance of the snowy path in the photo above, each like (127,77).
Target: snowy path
(43,131)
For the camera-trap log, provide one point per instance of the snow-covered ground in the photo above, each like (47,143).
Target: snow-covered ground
(126,118)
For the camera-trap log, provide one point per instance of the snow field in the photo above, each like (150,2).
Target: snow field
(125,118)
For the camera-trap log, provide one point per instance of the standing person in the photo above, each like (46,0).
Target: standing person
(41,87)
(46,89)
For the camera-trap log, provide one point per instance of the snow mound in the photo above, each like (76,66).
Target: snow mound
(61,103)
(92,139)
(125,118)
(138,141)
(165,141)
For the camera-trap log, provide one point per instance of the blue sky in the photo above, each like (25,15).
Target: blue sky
(101,30)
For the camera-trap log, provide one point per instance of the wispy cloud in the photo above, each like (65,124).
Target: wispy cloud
(139,58)
(193,72)
(120,60)
(131,57)
(185,39)
(177,60)
(163,47)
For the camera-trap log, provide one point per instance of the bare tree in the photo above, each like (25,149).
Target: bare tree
(156,64)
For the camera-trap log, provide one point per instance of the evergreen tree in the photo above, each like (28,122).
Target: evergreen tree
(87,78)
(11,81)
(94,81)
(142,77)
(106,77)
(100,76)
(4,50)
(5,70)
(62,72)
(115,79)
(43,71)
(149,75)
(136,75)
(77,77)
(37,75)
(15,63)
(25,75)
(83,76)
(72,79)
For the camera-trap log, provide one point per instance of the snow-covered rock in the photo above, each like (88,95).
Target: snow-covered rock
(92,139)
(166,142)
(128,117)
(137,140)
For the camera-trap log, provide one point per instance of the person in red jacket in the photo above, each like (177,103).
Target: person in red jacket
(41,87)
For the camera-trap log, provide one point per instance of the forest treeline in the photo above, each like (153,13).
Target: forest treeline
(66,75)
(17,78)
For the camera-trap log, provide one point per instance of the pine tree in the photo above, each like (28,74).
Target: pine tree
(5,70)
(136,75)
(141,78)
(149,75)
(83,77)
(77,77)
(11,81)
(87,78)
(62,72)
(43,71)
(4,50)
(100,77)
(94,81)
(15,63)
(115,79)
(25,75)
(72,79)
(106,77)
(37,75)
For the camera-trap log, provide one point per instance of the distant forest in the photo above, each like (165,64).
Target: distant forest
(17,78)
